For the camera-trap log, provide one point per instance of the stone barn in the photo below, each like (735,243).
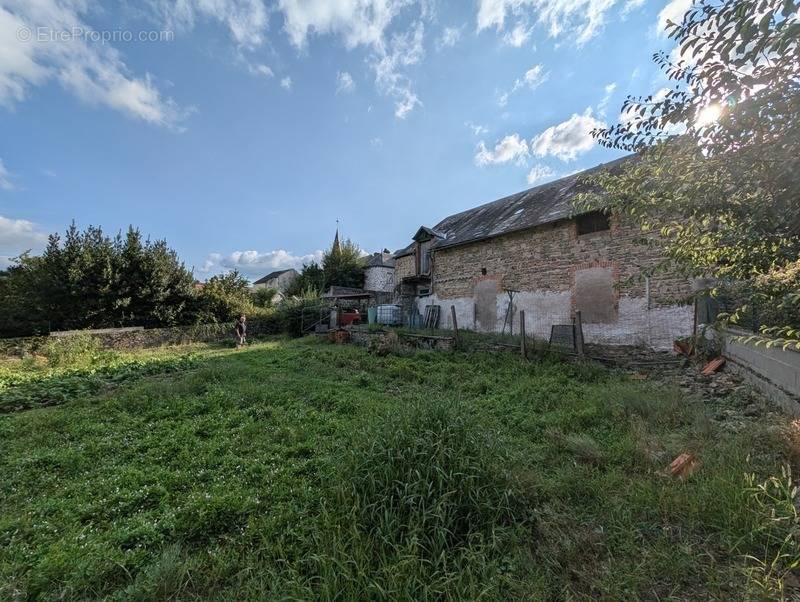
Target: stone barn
(554,262)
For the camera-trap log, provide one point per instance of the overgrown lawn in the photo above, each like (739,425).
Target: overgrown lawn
(300,470)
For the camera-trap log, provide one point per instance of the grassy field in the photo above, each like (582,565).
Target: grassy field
(299,470)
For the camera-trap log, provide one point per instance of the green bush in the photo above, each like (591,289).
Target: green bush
(264,297)
(295,313)
(76,350)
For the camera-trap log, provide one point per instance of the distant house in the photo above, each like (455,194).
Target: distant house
(279,280)
(379,272)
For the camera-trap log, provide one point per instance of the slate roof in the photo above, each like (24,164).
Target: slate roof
(272,275)
(536,206)
(379,260)
(343,292)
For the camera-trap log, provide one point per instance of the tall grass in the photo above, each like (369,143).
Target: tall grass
(424,507)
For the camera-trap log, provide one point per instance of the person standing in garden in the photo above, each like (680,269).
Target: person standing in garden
(241,331)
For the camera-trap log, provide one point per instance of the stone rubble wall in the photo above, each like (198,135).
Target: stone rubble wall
(133,338)
(379,279)
(546,259)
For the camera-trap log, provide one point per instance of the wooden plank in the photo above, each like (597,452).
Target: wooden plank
(713,366)
(579,333)
(455,322)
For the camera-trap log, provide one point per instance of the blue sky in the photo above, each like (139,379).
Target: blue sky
(241,130)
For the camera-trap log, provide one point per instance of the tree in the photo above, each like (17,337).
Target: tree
(224,298)
(716,172)
(311,279)
(343,265)
(89,280)
(153,287)
(264,297)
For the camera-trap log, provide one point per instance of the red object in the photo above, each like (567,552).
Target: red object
(350,317)
(713,366)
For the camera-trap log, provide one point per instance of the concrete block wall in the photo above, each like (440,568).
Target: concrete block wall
(774,371)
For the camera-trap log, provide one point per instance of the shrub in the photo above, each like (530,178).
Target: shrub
(224,298)
(79,349)
(264,297)
(295,313)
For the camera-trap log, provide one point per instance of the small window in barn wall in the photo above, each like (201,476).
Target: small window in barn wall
(596,221)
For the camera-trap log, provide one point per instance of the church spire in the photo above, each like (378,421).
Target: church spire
(336,247)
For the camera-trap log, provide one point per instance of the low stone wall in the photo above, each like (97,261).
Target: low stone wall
(142,338)
(772,370)
(364,336)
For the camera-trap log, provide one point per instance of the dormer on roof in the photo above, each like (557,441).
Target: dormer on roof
(425,233)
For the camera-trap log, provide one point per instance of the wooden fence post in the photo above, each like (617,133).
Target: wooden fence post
(455,323)
(579,333)
(523,345)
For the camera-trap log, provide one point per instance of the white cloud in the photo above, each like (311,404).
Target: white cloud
(18,236)
(376,142)
(476,128)
(510,148)
(449,38)
(358,22)
(535,77)
(518,36)
(257,264)
(260,69)
(580,20)
(344,82)
(602,107)
(5,178)
(532,79)
(404,50)
(286,83)
(92,71)
(408,100)
(568,139)
(540,172)
(245,19)
(632,5)
(365,23)
(673,11)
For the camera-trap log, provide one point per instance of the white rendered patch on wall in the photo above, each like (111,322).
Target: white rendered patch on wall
(637,324)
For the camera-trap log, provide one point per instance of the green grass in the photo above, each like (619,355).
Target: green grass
(297,470)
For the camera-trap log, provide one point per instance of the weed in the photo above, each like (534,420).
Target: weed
(773,506)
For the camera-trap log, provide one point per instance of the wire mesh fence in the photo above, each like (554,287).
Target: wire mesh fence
(630,323)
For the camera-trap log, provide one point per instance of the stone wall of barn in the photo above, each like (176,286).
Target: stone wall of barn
(404,267)
(557,271)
